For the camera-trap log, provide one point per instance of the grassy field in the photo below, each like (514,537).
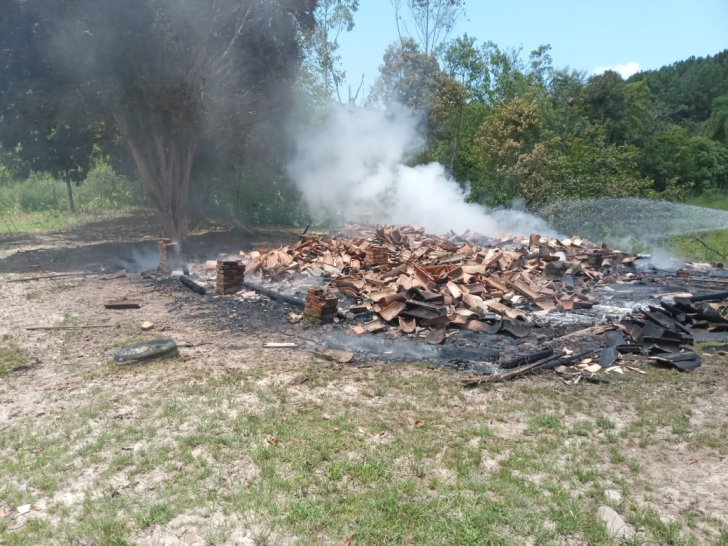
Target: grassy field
(410,460)
(711,247)
(21,222)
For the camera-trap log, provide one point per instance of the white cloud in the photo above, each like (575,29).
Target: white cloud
(625,70)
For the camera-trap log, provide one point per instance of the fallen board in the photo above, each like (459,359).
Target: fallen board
(124,304)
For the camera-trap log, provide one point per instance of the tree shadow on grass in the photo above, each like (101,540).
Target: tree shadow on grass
(128,242)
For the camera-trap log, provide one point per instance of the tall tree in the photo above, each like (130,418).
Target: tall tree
(408,77)
(44,133)
(717,125)
(463,62)
(604,99)
(433,20)
(323,61)
(506,72)
(688,87)
(169,74)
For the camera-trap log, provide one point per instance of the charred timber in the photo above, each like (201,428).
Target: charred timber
(517,372)
(717,296)
(527,359)
(277,296)
(192,285)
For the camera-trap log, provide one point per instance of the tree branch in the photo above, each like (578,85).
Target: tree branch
(707,247)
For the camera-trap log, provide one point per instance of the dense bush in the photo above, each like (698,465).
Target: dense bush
(247,196)
(102,189)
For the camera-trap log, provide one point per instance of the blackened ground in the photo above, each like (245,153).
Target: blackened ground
(465,351)
(111,243)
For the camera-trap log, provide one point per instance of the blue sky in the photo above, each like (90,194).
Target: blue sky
(584,34)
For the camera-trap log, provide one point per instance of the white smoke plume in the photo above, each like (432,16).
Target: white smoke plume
(353,166)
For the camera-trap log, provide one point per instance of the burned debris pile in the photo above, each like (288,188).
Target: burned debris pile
(654,335)
(423,285)
(406,284)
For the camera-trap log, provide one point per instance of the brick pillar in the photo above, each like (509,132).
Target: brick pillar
(321,307)
(230,276)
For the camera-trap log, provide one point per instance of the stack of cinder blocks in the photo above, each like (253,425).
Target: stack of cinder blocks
(377,255)
(320,308)
(168,255)
(230,276)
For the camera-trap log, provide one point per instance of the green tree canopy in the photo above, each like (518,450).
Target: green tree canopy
(408,76)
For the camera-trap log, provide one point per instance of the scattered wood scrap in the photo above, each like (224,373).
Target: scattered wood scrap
(517,372)
(82,327)
(118,275)
(342,357)
(124,304)
(657,336)
(50,277)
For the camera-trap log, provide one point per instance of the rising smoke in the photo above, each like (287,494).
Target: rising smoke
(353,166)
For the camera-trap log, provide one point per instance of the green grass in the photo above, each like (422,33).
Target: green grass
(19,222)
(691,249)
(337,466)
(390,455)
(712,200)
(717,241)
(10,357)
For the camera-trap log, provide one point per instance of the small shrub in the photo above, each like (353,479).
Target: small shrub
(104,189)
(41,192)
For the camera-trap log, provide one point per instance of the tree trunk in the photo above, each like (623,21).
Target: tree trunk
(71,204)
(456,148)
(164,159)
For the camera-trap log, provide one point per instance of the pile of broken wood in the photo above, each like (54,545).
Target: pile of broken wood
(423,284)
(413,283)
(655,335)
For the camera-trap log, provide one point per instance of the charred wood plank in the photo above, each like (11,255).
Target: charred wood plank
(526,359)
(50,277)
(473,381)
(423,310)
(614,338)
(87,327)
(717,296)
(277,296)
(608,357)
(192,285)
(684,362)
(124,304)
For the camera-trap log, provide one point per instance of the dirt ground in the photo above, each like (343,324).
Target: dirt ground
(235,444)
